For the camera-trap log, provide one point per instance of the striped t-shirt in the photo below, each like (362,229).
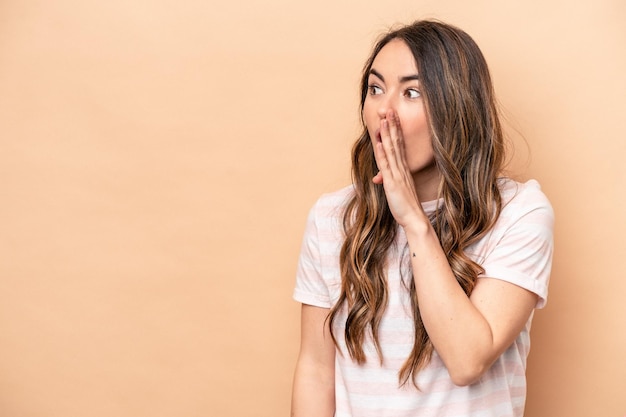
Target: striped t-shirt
(518,250)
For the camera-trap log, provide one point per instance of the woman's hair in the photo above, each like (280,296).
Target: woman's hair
(468,147)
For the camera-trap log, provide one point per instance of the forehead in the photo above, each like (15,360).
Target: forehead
(395,57)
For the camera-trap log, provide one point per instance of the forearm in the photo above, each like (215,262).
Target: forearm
(314,381)
(459,332)
(313,391)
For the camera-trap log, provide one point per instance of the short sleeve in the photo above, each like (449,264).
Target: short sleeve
(310,285)
(523,252)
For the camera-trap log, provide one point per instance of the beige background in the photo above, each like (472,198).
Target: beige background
(158,159)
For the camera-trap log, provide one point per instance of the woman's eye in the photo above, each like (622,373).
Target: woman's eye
(374,90)
(412,93)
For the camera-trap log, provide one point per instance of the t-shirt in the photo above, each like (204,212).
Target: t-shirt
(518,249)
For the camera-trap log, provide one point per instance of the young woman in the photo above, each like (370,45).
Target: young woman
(418,282)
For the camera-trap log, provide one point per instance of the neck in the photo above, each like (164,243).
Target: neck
(427,183)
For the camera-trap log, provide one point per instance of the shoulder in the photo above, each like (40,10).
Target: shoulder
(518,249)
(520,199)
(330,205)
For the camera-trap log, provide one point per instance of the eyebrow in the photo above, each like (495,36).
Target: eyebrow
(402,79)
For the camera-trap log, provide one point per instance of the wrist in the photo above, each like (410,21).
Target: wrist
(419,226)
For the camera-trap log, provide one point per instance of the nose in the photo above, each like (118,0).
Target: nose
(384,105)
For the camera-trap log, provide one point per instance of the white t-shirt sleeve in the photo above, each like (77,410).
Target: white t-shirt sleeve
(522,254)
(310,285)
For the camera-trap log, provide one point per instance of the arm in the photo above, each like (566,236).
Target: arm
(314,380)
(469,334)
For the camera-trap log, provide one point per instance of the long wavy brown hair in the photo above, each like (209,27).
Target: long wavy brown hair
(468,147)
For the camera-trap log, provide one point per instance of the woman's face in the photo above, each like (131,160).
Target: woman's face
(393,84)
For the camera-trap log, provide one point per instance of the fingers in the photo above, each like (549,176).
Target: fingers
(381,162)
(392,142)
(400,147)
(389,152)
(395,135)
(388,145)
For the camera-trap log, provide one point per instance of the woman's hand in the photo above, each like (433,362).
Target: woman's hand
(394,173)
